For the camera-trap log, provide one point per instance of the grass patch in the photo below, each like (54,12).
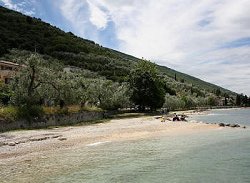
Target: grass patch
(70,109)
(9,113)
(91,108)
(128,115)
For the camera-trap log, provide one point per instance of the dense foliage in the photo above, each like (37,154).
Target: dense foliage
(242,100)
(43,81)
(26,33)
(40,82)
(5,94)
(147,87)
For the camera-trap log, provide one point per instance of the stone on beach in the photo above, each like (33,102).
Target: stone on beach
(62,138)
(234,125)
(11,143)
(229,125)
(221,124)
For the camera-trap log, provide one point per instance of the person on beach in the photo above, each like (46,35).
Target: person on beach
(183,117)
(176,118)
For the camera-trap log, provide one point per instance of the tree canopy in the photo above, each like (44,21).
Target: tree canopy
(146,85)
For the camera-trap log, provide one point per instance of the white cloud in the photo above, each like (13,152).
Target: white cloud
(20,6)
(228,67)
(9,4)
(187,33)
(98,17)
(85,16)
(75,12)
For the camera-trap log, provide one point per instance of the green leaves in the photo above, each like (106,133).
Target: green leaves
(40,81)
(147,87)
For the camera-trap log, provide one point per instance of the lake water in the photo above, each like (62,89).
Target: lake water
(220,155)
(237,115)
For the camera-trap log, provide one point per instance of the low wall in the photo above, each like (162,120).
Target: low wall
(52,120)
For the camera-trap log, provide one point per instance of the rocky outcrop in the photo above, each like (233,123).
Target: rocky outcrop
(221,124)
(16,141)
(234,125)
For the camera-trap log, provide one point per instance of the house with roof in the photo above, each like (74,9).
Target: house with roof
(7,70)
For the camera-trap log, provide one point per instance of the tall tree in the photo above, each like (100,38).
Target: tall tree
(27,81)
(147,87)
(238,100)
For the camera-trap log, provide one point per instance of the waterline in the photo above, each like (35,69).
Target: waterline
(97,143)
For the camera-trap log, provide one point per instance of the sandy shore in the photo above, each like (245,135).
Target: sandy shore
(17,145)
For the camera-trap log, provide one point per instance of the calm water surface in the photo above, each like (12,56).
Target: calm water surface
(220,155)
(240,116)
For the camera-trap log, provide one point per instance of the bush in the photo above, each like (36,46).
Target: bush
(91,108)
(173,102)
(29,112)
(9,113)
(64,110)
(5,94)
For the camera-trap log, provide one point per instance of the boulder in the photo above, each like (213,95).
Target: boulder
(221,124)
(62,138)
(234,125)
(11,143)
(55,136)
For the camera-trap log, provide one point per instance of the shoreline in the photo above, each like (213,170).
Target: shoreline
(17,144)
(61,149)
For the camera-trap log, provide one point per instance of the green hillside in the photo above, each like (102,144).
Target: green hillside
(25,33)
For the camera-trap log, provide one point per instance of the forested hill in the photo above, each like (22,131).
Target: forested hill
(26,33)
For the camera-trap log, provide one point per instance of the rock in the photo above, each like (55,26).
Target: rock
(244,127)
(22,141)
(55,136)
(62,138)
(227,124)
(221,124)
(158,117)
(234,125)
(11,143)
(39,138)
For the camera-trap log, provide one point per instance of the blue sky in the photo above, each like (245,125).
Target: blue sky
(209,39)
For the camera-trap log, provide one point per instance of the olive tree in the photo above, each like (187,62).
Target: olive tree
(108,95)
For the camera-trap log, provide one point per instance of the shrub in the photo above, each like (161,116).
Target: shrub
(29,112)
(64,110)
(8,113)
